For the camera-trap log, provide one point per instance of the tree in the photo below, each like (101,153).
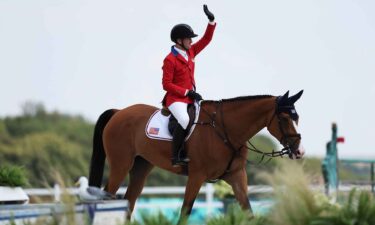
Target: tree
(31,108)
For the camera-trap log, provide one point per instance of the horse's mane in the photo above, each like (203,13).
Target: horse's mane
(241,98)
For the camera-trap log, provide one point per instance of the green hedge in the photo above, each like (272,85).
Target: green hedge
(12,176)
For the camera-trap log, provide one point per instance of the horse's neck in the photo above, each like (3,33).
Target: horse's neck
(244,118)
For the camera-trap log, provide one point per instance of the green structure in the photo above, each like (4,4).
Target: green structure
(330,164)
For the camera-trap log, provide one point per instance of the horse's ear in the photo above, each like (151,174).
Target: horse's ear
(286,95)
(283,100)
(295,97)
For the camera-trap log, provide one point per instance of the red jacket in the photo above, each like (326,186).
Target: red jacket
(178,74)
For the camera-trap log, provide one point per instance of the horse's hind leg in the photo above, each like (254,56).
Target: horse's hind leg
(137,178)
(118,169)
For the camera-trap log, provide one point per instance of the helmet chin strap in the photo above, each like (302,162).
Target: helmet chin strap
(182,46)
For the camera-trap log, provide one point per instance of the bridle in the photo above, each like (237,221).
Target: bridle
(219,128)
(289,147)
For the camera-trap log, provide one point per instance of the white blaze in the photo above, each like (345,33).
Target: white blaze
(300,149)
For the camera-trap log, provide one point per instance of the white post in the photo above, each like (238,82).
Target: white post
(57,192)
(209,198)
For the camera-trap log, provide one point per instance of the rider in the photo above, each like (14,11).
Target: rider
(178,79)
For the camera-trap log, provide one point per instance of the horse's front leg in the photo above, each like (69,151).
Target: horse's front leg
(238,181)
(193,185)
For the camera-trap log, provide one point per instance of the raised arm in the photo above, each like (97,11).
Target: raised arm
(208,34)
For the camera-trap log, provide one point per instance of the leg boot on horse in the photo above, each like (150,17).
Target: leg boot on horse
(178,155)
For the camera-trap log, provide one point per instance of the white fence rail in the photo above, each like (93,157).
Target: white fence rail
(164,190)
(208,190)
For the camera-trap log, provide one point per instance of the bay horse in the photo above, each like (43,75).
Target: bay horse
(216,147)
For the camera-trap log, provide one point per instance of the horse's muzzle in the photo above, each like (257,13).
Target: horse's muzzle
(299,152)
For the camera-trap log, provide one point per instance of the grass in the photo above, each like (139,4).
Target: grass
(158,218)
(236,216)
(359,209)
(12,176)
(297,204)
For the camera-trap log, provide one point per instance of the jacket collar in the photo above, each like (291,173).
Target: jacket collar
(174,51)
(178,55)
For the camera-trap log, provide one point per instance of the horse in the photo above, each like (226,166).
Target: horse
(216,147)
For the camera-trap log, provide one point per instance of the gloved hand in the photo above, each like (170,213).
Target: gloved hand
(209,14)
(194,95)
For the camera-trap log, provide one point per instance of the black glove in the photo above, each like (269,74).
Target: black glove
(209,14)
(194,95)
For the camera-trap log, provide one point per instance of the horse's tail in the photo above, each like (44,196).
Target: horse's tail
(98,153)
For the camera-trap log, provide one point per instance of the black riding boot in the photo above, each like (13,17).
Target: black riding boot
(178,155)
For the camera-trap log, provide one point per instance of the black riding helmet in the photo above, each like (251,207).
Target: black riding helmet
(182,31)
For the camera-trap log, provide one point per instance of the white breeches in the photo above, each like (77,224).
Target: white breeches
(179,110)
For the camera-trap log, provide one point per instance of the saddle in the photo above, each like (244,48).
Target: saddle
(162,123)
(173,121)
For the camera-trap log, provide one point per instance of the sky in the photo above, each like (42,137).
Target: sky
(85,56)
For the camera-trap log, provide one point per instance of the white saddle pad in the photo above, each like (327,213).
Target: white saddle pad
(157,126)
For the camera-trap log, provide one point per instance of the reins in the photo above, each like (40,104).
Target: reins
(220,130)
(284,151)
(222,135)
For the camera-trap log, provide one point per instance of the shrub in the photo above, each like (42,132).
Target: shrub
(12,176)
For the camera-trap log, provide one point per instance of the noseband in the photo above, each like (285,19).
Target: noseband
(289,147)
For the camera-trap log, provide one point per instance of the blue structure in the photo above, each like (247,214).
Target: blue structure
(331,161)
(329,164)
